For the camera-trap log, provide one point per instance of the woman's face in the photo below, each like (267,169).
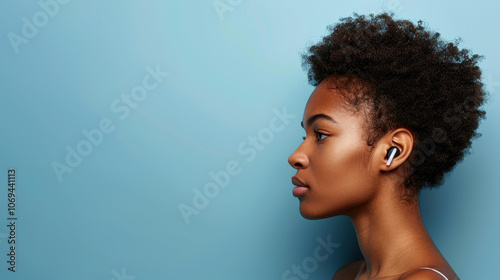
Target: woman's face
(334,160)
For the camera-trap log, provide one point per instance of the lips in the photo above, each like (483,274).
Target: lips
(301,188)
(297,182)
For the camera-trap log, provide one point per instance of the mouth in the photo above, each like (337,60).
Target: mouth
(300,188)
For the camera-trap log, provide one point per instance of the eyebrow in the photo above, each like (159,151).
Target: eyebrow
(312,119)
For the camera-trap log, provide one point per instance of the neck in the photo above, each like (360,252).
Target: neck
(391,235)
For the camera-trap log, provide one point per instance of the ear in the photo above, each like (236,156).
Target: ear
(401,138)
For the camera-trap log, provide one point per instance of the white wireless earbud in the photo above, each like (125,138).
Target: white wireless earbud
(392,153)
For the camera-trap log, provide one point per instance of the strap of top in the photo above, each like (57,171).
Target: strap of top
(435,271)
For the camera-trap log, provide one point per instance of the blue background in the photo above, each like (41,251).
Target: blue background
(116,215)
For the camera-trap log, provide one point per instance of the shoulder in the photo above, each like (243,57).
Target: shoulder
(348,271)
(425,274)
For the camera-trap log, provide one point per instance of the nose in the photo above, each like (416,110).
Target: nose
(298,159)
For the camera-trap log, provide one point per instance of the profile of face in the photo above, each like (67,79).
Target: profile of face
(334,161)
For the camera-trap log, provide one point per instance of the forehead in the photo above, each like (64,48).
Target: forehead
(328,101)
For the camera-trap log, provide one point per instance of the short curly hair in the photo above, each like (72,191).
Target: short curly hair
(415,80)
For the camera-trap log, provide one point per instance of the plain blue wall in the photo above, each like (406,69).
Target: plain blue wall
(117,213)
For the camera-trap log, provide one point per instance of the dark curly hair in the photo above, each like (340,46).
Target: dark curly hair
(414,80)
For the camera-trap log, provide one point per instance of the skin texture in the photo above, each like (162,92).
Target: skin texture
(345,176)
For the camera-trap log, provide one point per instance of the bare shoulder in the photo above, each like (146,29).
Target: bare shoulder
(430,274)
(348,271)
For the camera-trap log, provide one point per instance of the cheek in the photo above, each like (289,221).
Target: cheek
(341,178)
(343,162)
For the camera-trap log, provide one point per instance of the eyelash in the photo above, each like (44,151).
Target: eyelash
(317,134)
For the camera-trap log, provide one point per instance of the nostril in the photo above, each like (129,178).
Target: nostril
(298,160)
(298,164)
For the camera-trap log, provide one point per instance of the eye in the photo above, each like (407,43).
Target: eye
(319,135)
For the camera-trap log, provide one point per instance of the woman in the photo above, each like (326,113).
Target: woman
(394,109)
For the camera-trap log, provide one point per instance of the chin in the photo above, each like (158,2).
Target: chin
(314,214)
